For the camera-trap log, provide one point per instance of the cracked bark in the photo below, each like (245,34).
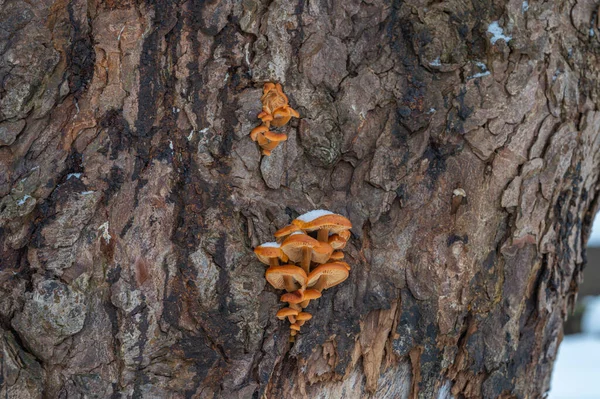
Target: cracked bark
(131,195)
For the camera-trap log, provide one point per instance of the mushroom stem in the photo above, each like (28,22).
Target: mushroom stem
(273,262)
(289,283)
(323,235)
(304,304)
(306,255)
(320,284)
(291,319)
(296,307)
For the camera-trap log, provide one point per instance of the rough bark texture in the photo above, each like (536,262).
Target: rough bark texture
(131,195)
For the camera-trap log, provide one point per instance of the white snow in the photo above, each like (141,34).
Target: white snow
(191,135)
(23,200)
(590,322)
(436,62)
(484,71)
(497,33)
(75,175)
(86,192)
(525,6)
(312,215)
(479,75)
(594,240)
(577,369)
(171,145)
(270,245)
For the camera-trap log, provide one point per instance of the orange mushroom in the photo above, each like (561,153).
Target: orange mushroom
(337,255)
(286,231)
(303,248)
(302,317)
(288,313)
(293,298)
(270,253)
(323,221)
(309,295)
(287,277)
(336,241)
(327,275)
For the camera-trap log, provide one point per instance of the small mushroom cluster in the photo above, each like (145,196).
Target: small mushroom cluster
(309,250)
(275,112)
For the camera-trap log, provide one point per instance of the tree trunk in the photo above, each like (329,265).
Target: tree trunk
(460,138)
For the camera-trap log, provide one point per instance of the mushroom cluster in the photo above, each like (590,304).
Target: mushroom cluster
(276,112)
(305,260)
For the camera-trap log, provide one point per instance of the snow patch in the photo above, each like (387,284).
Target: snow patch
(484,71)
(576,369)
(75,175)
(525,6)
(592,32)
(497,33)
(86,192)
(312,215)
(105,234)
(171,145)
(436,62)
(594,240)
(270,245)
(23,200)
(479,75)
(191,135)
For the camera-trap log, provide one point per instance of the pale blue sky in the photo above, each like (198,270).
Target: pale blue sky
(595,236)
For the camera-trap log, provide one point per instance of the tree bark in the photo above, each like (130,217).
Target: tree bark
(132,196)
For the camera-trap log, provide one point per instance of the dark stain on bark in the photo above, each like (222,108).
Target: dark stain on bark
(81,57)
(114,181)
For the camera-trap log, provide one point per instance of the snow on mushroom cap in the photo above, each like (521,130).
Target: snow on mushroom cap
(270,245)
(312,215)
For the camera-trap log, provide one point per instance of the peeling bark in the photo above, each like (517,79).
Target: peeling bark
(131,195)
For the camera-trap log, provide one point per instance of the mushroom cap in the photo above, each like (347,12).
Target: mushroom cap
(293,297)
(275,275)
(334,223)
(269,250)
(337,255)
(303,316)
(333,273)
(286,231)
(293,333)
(257,130)
(285,312)
(265,117)
(274,136)
(345,234)
(269,145)
(295,327)
(311,294)
(273,98)
(281,116)
(292,246)
(322,252)
(336,241)
(309,217)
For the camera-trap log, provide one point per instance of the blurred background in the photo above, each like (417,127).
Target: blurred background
(577,369)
